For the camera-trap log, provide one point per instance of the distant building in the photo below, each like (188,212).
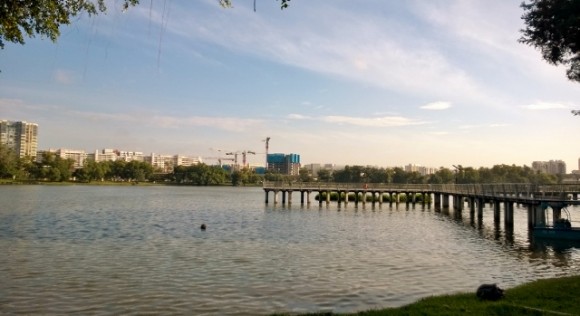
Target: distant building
(550,167)
(130,156)
(77,156)
(420,169)
(180,160)
(103,155)
(314,168)
(20,136)
(284,164)
(166,163)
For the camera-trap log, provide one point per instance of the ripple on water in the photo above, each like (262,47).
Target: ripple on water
(140,251)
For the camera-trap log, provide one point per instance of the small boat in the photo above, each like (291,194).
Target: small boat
(561,228)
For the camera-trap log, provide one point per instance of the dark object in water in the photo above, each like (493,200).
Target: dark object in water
(489,292)
(203,227)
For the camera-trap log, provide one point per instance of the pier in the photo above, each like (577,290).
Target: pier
(536,198)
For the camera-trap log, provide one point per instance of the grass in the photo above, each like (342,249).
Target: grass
(558,296)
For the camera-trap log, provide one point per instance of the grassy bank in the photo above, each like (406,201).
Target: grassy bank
(559,296)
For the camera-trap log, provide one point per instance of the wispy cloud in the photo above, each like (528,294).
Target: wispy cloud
(440,105)
(385,121)
(64,77)
(440,133)
(364,47)
(545,106)
(232,124)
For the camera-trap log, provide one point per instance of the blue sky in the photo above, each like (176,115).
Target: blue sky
(373,82)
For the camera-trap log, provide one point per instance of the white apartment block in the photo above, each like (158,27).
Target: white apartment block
(20,136)
(550,167)
(420,169)
(180,160)
(163,162)
(78,156)
(131,156)
(104,155)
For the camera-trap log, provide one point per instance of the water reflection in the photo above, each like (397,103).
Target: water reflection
(123,250)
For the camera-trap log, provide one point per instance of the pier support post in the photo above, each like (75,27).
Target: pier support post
(496,205)
(301,197)
(445,201)
(283,197)
(308,197)
(458,203)
(508,215)
(327,197)
(290,197)
(540,217)
(556,213)
(472,207)
(320,198)
(480,204)
(531,218)
(267,196)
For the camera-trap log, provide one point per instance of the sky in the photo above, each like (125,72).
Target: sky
(377,82)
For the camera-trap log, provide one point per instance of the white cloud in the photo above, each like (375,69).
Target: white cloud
(385,121)
(441,133)
(363,47)
(64,77)
(298,117)
(545,106)
(440,105)
(232,124)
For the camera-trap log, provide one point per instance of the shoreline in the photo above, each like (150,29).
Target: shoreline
(553,296)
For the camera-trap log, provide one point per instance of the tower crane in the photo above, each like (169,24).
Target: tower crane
(267,140)
(244,155)
(219,159)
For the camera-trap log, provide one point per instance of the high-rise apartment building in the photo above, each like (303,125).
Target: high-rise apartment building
(20,136)
(284,164)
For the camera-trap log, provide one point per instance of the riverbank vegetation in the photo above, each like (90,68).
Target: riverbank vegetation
(52,168)
(558,296)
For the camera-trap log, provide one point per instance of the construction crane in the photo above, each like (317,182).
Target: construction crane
(244,155)
(219,159)
(235,154)
(267,140)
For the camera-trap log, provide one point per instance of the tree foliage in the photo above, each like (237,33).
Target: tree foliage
(20,19)
(553,26)
(463,175)
(200,174)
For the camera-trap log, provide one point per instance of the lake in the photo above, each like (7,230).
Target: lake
(139,249)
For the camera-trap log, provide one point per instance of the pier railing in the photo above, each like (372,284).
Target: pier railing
(559,191)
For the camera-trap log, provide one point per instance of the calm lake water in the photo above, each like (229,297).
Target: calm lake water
(135,250)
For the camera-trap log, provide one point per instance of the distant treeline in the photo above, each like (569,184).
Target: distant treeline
(496,174)
(53,168)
